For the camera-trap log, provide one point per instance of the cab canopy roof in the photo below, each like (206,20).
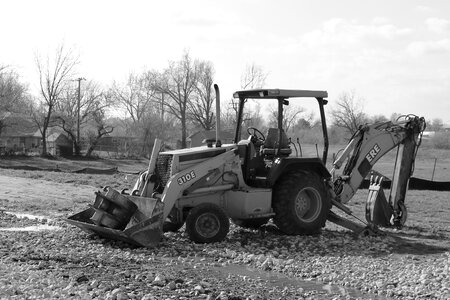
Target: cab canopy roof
(279,93)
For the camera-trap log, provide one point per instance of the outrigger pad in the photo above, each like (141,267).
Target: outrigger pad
(144,227)
(378,210)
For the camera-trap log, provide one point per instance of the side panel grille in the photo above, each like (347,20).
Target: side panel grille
(163,167)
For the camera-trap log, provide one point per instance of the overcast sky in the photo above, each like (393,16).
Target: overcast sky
(394,54)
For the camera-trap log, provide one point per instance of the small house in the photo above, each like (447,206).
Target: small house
(59,144)
(18,134)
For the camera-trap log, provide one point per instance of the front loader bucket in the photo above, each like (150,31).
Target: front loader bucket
(378,210)
(135,220)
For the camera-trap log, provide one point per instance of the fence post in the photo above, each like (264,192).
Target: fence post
(434,168)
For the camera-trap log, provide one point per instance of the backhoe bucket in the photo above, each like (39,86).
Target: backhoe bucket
(135,220)
(378,210)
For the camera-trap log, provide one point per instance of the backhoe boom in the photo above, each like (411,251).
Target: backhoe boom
(369,144)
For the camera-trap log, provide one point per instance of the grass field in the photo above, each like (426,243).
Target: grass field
(430,164)
(73,164)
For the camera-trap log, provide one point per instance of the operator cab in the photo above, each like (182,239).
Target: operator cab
(262,153)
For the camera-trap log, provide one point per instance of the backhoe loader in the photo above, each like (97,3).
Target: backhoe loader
(255,179)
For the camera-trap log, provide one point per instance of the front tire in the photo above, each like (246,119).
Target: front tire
(301,203)
(207,223)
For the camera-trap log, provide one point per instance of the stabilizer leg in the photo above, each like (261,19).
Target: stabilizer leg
(358,229)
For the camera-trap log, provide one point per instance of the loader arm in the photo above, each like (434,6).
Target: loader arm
(368,145)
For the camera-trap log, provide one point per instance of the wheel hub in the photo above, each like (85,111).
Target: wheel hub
(307,204)
(207,225)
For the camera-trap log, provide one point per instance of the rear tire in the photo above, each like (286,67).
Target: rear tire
(250,223)
(207,223)
(301,203)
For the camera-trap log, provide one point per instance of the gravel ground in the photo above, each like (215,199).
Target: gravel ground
(49,259)
(67,263)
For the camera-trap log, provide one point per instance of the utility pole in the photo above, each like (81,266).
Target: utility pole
(162,112)
(78,110)
(235,105)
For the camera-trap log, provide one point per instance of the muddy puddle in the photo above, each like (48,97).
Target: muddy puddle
(280,280)
(40,227)
(28,216)
(37,227)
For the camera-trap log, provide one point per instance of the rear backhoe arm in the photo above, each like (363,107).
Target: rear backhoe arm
(368,145)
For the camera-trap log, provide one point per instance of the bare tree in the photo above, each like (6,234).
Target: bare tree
(306,122)
(92,106)
(158,103)
(378,119)
(53,76)
(12,91)
(101,128)
(254,77)
(202,105)
(135,96)
(140,98)
(254,118)
(349,112)
(227,116)
(394,117)
(291,115)
(179,82)
(436,124)
(12,94)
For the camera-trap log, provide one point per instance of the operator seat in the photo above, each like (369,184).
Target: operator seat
(271,148)
(251,161)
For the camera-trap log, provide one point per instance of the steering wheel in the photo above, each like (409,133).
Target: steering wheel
(255,133)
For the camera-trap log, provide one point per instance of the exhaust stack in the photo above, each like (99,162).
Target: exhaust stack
(218,142)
